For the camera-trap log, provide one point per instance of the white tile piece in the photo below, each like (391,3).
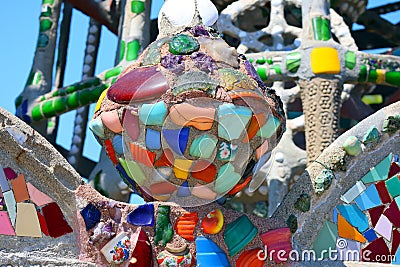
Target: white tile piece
(384,227)
(353,192)
(11,205)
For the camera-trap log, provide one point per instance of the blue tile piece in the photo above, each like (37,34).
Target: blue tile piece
(3,181)
(117,144)
(125,175)
(396,259)
(153,114)
(379,172)
(370,235)
(369,198)
(209,254)
(396,158)
(354,216)
(177,139)
(335,215)
(91,215)
(143,215)
(183,190)
(153,139)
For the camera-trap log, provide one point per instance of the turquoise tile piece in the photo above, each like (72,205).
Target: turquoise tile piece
(326,239)
(227,178)
(372,135)
(379,172)
(203,146)
(369,198)
(269,128)
(393,186)
(153,114)
(354,216)
(153,139)
(232,121)
(353,192)
(96,126)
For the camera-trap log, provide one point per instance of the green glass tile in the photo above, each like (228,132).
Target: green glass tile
(73,100)
(70,89)
(270,61)
(350,59)
(277,69)
(45,25)
(379,172)
(362,76)
(113,72)
(293,61)
(133,170)
(121,50)
(262,72)
(132,50)
(48,110)
(373,75)
(60,105)
(251,60)
(36,113)
(137,7)
(326,30)
(317,28)
(85,97)
(393,186)
(326,239)
(261,60)
(393,77)
(46,12)
(48,2)
(56,93)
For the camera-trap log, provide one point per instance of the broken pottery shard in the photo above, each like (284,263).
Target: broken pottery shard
(143,215)
(238,234)
(27,223)
(142,254)
(138,85)
(164,230)
(213,222)
(91,215)
(117,249)
(186,224)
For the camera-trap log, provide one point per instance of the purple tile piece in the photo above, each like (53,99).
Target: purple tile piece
(375,214)
(375,251)
(177,139)
(10,173)
(143,215)
(393,213)
(346,249)
(183,190)
(369,198)
(384,227)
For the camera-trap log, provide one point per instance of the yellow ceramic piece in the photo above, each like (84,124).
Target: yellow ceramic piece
(103,94)
(182,167)
(325,60)
(381,76)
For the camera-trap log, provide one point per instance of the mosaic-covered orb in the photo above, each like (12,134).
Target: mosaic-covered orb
(189,121)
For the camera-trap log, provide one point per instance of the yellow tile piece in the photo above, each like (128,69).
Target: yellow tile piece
(27,223)
(98,105)
(182,167)
(325,60)
(381,76)
(346,230)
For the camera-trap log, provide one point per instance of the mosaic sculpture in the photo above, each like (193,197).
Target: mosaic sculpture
(191,114)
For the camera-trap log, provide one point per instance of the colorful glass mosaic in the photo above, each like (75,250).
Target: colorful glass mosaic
(26,211)
(369,216)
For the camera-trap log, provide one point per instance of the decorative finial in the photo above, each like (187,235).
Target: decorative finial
(176,15)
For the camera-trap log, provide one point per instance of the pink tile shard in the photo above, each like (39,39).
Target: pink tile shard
(278,239)
(5,224)
(38,197)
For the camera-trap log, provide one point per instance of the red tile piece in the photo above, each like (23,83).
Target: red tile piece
(166,159)
(375,214)
(56,224)
(110,151)
(130,123)
(43,225)
(395,241)
(383,193)
(239,187)
(376,251)
(278,239)
(393,213)
(204,170)
(394,169)
(142,155)
(162,188)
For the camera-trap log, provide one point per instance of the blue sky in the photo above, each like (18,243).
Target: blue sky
(19,33)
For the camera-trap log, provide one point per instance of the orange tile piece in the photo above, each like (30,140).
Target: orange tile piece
(20,189)
(186,224)
(188,115)
(250,258)
(257,120)
(166,159)
(142,155)
(346,230)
